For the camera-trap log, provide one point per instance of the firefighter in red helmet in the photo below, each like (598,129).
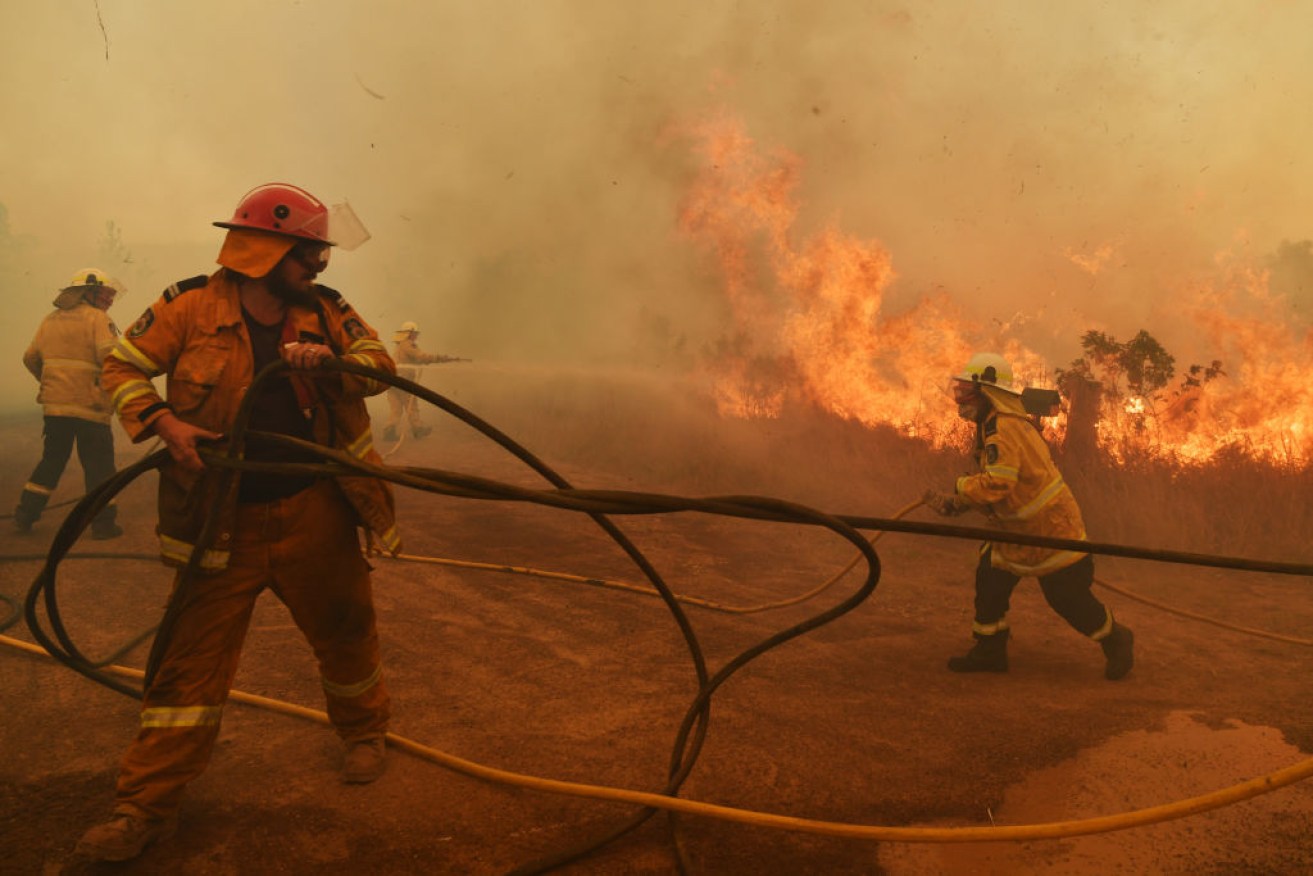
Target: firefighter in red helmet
(294,535)
(282,209)
(1020,489)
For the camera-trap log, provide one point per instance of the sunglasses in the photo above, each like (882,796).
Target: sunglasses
(311,256)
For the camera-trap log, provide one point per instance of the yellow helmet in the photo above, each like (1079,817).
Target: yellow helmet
(90,277)
(83,282)
(988,368)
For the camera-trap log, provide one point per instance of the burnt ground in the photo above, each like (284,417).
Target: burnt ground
(858,721)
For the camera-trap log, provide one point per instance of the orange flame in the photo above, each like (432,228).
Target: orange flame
(807,325)
(1264,405)
(806,318)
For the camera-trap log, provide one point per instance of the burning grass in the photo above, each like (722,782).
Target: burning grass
(646,431)
(1234,503)
(806,318)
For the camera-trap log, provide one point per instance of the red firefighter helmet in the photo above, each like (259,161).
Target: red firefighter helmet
(282,209)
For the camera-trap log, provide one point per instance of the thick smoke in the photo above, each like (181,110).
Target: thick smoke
(1054,169)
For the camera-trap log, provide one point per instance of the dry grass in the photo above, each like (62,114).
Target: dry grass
(1236,505)
(649,432)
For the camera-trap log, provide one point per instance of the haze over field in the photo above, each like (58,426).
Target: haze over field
(522,166)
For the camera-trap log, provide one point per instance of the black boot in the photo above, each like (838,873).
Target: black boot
(1118,647)
(23,520)
(105,525)
(990,654)
(28,512)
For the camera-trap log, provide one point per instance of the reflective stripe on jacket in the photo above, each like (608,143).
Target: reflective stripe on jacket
(195,334)
(1021,490)
(66,356)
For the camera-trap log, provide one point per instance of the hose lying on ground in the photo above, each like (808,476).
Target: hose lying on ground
(691,733)
(712,605)
(1010,833)
(598,504)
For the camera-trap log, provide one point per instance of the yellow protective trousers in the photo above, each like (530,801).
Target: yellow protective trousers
(304,548)
(403,405)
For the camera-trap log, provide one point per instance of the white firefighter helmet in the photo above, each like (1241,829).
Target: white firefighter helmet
(85,281)
(90,277)
(407,329)
(988,368)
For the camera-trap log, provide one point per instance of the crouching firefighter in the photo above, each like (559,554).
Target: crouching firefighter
(293,534)
(1020,489)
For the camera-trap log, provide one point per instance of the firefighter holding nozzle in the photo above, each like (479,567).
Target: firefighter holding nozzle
(401,404)
(1020,489)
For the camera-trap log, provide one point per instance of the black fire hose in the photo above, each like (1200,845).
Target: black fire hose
(15,612)
(74,524)
(695,722)
(597,504)
(79,518)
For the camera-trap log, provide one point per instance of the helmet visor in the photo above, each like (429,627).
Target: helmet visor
(345,228)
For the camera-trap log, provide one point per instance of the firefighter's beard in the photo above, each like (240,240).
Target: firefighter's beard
(972,411)
(291,294)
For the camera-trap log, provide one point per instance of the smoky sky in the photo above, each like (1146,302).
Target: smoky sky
(1067,166)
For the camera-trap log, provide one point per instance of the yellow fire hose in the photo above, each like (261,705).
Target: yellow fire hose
(600,504)
(750,609)
(1052,830)
(1013,833)
(651,591)
(1179,612)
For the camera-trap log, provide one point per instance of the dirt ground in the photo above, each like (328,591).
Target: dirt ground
(858,721)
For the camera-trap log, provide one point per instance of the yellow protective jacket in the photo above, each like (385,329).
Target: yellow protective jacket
(1021,490)
(196,336)
(409,353)
(65,355)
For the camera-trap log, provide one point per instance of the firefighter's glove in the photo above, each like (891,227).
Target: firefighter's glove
(943,504)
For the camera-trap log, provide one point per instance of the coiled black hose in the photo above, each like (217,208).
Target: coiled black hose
(597,504)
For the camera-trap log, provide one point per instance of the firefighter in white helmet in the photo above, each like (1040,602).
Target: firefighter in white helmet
(401,404)
(1020,489)
(65,357)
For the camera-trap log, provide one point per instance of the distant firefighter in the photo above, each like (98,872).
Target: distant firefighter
(65,356)
(1020,489)
(401,403)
